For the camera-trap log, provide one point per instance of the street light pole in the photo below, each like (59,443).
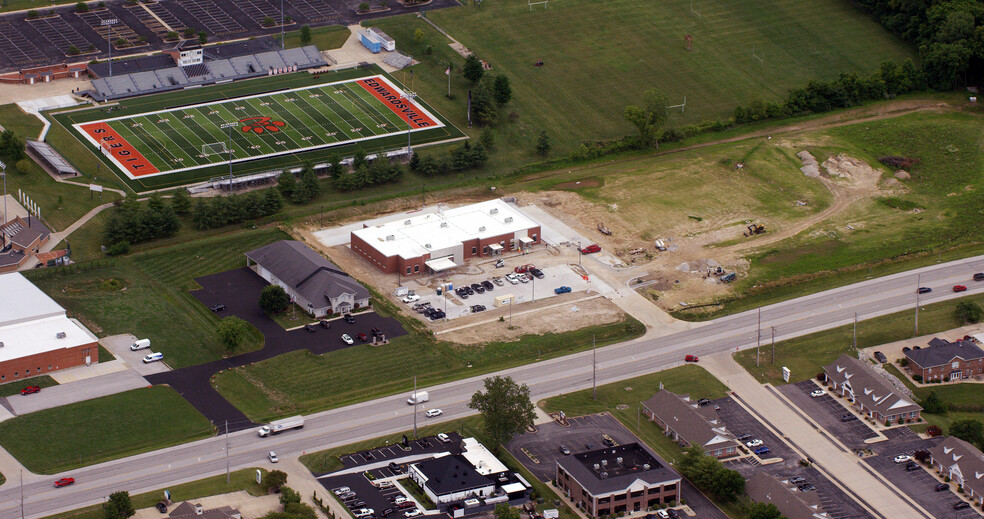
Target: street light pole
(410,96)
(228,129)
(109,22)
(283,40)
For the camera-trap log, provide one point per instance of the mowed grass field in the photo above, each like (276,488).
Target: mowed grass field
(156,302)
(57,439)
(263,126)
(602,55)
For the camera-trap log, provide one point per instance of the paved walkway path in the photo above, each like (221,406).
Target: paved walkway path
(838,463)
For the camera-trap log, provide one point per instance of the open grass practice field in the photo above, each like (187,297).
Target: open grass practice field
(600,56)
(258,126)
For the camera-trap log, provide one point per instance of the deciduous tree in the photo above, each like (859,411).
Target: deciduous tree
(118,506)
(649,117)
(505,407)
(273,299)
(232,331)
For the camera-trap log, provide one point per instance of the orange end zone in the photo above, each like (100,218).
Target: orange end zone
(405,110)
(119,149)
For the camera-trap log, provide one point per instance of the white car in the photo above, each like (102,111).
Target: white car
(902,458)
(273,457)
(384,484)
(412,298)
(411,513)
(432,413)
(444,438)
(753,443)
(512,278)
(523,278)
(341,490)
(153,357)
(363,512)
(346,339)
(818,392)
(662,514)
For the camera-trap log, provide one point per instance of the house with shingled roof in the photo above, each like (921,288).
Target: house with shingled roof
(872,395)
(962,463)
(691,424)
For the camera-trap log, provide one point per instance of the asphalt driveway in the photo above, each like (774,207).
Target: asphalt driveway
(240,290)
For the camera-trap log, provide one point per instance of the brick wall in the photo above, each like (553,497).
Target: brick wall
(31,365)
(967,369)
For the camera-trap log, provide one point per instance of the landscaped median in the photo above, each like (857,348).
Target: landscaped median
(805,356)
(102,429)
(301,382)
(244,479)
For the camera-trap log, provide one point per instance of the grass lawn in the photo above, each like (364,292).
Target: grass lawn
(964,399)
(589,76)
(301,382)
(42,381)
(244,479)
(293,317)
(805,356)
(154,418)
(325,38)
(157,283)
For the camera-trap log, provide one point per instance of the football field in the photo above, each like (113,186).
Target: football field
(256,126)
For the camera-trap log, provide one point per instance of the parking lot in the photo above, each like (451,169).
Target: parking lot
(827,411)
(737,420)
(919,485)
(384,465)
(586,433)
(526,288)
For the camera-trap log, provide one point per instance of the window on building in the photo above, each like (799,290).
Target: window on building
(955,365)
(602,511)
(618,497)
(512,244)
(416,268)
(485,249)
(16,374)
(3,377)
(49,367)
(533,236)
(474,250)
(605,499)
(637,494)
(667,488)
(408,270)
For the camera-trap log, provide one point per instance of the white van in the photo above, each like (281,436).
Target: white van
(153,357)
(140,345)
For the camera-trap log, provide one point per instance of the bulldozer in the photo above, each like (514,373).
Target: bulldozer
(754,229)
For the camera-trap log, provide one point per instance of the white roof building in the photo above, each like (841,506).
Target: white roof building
(452,235)
(36,335)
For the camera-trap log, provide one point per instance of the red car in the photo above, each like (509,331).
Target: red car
(591,249)
(691,358)
(362,337)
(30,390)
(959,288)
(64,482)
(522,269)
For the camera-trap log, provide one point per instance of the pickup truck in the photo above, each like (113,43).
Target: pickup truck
(562,290)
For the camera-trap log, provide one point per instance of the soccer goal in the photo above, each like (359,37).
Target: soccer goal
(539,2)
(214,148)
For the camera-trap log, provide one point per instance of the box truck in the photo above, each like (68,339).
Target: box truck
(418,398)
(279,426)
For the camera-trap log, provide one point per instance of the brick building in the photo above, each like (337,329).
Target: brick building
(20,239)
(944,360)
(962,463)
(436,242)
(870,393)
(690,424)
(627,478)
(36,336)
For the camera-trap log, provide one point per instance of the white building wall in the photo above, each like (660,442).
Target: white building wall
(298,298)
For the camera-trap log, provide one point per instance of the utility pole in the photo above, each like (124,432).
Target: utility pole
(227,451)
(915,330)
(594,369)
(855,331)
(415,407)
(758,339)
(773,345)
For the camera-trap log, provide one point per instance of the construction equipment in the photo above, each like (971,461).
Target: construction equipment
(755,229)
(660,246)
(604,230)
(729,278)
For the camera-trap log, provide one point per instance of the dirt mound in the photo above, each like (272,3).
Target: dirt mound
(902,175)
(810,167)
(855,171)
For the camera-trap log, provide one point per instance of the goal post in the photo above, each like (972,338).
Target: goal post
(214,148)
(531,3)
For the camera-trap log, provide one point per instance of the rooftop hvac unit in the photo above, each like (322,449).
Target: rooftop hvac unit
(481,229)
(618,460)
(444,224)
(427,245)
(604,475)
(406,222)
(509,219)
(1,345)
(390,237)
(494,210)
(645,466)
(604,463)
(61,335)
(596,466)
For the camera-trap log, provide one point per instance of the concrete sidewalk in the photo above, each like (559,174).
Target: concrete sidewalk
(838,463)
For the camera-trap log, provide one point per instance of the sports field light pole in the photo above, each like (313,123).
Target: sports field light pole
(4,168)
(228,129)
(109,22)
(411,96)
(283,38)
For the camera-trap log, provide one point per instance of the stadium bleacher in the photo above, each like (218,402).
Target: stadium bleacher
(161,74)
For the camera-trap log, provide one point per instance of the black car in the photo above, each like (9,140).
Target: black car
(218,307)
(880,357)
(703,401)
(439,314)
(310,328)
(979,276)
(376,332)
(477,308)
(940,487)
(911,466)
(325,324)
(488,285)
(744,437)
(357,504)
(388,512)
(349,319)
(161,507)
(924,290)
(536,272)
(672,513)
(797,480)
(960,505)
(477,288)
(848,418)
(806,487)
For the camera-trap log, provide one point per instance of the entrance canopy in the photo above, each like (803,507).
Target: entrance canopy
(495,247)
(440,264)
(526,240)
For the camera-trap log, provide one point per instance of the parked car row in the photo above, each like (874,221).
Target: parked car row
(358,507)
